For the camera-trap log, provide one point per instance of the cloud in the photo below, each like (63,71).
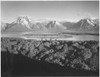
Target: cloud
(85,15)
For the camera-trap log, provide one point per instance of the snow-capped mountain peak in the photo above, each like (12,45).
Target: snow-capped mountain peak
(24,21)
(88,21)
(23,18)
(58,23)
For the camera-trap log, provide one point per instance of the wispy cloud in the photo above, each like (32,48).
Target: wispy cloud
(85,15)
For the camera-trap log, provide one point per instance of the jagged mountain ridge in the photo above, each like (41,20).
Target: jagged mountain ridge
(25,24)
(83,25)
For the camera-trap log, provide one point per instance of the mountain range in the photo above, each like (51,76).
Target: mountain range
(26,24)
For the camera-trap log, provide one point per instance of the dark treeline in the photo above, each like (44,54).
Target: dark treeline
(66,55)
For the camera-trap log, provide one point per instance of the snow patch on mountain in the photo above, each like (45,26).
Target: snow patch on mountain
(24,21)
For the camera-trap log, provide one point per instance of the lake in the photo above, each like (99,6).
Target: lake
(53,37)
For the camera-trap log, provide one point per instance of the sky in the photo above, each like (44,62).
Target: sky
(55,10)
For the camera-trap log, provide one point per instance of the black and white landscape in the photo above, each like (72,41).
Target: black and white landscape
(50,47)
